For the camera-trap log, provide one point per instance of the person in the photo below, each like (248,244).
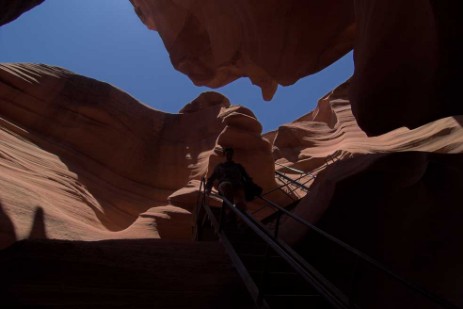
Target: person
(230,177)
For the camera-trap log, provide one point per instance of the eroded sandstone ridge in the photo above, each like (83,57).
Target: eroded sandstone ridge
(81,159)
(396,197)
(271,42)
(406,55)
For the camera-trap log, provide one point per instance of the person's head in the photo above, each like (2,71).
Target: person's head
(228,153)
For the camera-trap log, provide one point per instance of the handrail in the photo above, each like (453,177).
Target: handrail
(276,188)
(280,187)
(296,170)
(292,180)
(322,285)
(340,303)
(249,283)
(198,211)
(365,257)
(282,177)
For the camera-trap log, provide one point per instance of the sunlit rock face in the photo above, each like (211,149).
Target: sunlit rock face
(407,63)
(318,138)
(396,197)
(327,140)
(80,159)
(10,10)
(271,42)
(330,133)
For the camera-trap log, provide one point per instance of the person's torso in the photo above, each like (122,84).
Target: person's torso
(232,172)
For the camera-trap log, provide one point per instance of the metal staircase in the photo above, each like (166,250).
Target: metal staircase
(291,187)
(276,275)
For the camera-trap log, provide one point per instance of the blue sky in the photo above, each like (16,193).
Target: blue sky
(105,40)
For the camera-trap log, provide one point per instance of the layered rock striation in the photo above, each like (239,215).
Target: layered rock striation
(395,197)
(272,43)
(83,160)
(80,159)
(406,55)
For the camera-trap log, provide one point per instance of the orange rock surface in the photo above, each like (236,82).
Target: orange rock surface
(81,159)
(272,42)
(406,55)
(330,133)
(396,197)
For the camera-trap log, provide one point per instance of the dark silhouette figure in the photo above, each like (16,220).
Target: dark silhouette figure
(231,178)
(7,231)
(38,230)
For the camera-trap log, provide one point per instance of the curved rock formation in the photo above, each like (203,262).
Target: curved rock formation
(272,42)
(407,63)
(324,139)
(81,159)
(396,197)
(407,55)
(10,10)
(330,133)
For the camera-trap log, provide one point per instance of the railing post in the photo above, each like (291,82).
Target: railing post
(199,205)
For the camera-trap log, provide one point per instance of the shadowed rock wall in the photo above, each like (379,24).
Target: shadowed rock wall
(407,57)
(406,54)
(83,160)
(272,42)
(10,10)
(137,273)
(396,197)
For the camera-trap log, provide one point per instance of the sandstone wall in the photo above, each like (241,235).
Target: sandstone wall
(407,55)
(81,159)
(272,42)
(395,197)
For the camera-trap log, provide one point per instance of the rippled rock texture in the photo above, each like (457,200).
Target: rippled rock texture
(272,42)
(406,54)
(80,159)
(396,197)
